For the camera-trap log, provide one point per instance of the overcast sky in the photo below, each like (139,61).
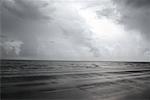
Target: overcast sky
(75,29)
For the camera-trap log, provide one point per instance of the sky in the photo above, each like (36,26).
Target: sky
(75,30)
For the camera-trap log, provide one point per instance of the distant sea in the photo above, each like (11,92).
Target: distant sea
(74,80)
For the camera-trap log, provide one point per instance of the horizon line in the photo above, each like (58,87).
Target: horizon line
(74,60)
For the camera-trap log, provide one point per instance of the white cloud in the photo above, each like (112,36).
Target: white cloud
(12,46)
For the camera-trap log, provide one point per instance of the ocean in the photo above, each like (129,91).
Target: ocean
(74,80)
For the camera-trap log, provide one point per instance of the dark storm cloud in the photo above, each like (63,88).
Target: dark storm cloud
(135,15)
(137,3)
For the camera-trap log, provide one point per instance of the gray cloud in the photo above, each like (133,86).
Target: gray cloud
(136,3)
(55,30)
(80,37)
(107,12)
(135,15)
(24,9)
(18,14)
(21,19)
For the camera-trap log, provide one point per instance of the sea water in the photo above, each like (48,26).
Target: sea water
(74,80)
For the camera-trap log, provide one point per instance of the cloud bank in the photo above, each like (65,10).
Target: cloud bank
(76,29)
